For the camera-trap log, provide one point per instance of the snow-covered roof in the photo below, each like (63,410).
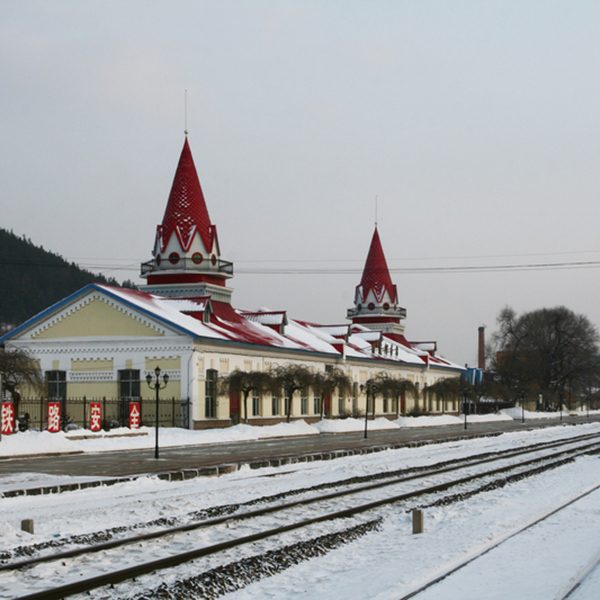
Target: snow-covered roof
(189,305)
(256,328)
(271,317)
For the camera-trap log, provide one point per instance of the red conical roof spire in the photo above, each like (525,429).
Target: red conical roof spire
(376,275)
(186,209)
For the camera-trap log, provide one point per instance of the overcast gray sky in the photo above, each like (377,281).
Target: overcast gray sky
(476,124)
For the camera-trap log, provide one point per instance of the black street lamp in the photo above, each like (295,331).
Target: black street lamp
(157,386)
(368,388)
(587,404)
(465,404)
(371,388)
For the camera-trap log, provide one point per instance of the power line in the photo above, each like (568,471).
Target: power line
(430,270)
(342,271)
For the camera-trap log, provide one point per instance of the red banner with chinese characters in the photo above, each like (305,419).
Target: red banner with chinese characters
(53,417)
(134,415)
(8,418)
(95,416)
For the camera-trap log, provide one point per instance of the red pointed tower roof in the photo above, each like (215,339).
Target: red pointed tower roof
(376,275)
(186,209)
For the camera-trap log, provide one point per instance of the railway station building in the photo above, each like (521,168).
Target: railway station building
(102,341)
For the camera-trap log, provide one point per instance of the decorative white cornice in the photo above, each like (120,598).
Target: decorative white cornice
(174,374)
(86,376)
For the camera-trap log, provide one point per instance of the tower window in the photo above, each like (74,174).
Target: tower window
(173,258)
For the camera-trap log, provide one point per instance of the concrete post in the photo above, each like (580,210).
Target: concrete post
(27,525)
(417,521)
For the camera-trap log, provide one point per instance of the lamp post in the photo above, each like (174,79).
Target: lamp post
(362,388)
(157,386)
(560,400)
(587,404)
(371,387)
(465,404)
(523,407)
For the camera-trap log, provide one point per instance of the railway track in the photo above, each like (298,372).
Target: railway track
(568,591)
(461,477)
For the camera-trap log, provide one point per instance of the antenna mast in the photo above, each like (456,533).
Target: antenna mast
(375,211)
(186,129)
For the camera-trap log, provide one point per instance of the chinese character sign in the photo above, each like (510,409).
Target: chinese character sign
(8,418)
(53,417)
(95,416)
(134,415)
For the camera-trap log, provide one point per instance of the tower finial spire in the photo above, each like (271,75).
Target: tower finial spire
(186,129)
(375,211)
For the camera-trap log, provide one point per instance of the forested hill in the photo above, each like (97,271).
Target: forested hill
(32,279)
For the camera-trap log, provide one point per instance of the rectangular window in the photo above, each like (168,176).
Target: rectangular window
(341,407)
(56,382)
(275,406)
(317,405)
(129,383)
(255,406)
(385,405)
(304,402)
(210,402)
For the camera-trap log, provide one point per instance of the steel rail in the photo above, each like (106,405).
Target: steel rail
(127,573)
(579,578)
(505,538)
(460,464)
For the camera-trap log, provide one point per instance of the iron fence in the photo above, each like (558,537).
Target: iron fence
(33,413)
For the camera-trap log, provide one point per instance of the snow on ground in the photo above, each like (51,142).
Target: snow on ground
(535,565)
(351,424)
(31,443)
(382,565)
(516,413)
(426,421)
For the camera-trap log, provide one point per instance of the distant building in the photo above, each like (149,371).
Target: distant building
(103,341)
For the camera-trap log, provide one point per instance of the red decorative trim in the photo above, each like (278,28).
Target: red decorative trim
(375,320)
(187,278)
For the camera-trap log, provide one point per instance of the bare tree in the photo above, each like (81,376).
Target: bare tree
(397,389)
(291,378)
(325,384)
(450,388)
(549,351)
(19,369)
(244,382)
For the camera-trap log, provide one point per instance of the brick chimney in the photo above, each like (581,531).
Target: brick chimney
(481,349)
